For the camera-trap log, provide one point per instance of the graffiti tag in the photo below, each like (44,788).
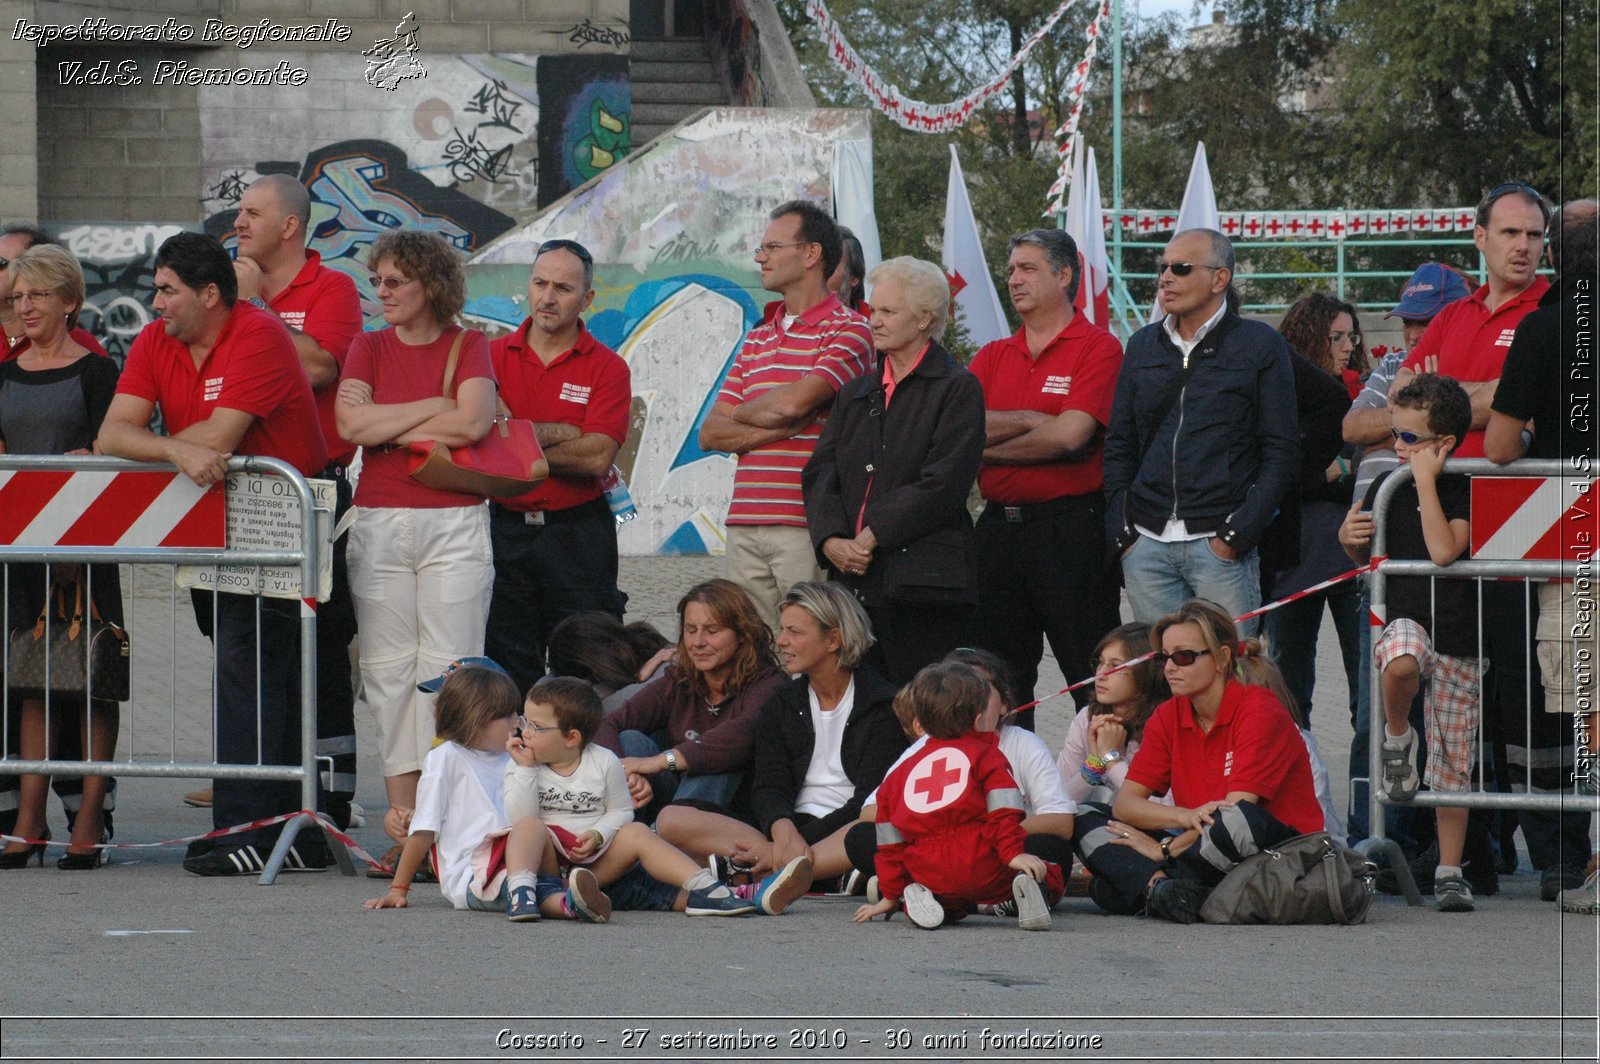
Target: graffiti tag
(470,160)
(230,189)
(586,32)
(491,101)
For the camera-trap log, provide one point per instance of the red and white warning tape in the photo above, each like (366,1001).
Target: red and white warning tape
(1258,611)
(238,829)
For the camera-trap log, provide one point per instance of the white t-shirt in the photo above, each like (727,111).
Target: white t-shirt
(459,800)
(594,798)
(826,787)
(1031,766)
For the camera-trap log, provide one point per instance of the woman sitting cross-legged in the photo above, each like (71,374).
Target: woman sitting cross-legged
(1232,759)
(823,742)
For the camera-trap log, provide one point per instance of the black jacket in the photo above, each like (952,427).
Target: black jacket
(785,738)
(914,463)
(1228,449)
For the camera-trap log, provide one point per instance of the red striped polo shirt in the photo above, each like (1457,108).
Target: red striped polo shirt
(829,340)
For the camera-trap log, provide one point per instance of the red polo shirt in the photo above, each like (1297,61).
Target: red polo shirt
(252,368)
(1075,371)
(1253,746)
(324,304)
(1471,342)
(829,340)
(589,386)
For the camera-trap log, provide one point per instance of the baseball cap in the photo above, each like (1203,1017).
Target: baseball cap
(437,682)
(1430,289)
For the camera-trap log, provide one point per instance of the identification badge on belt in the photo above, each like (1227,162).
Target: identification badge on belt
(533,517)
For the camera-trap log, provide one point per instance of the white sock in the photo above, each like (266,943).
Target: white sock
(521,879)
(1394,742)
(1445,871)
(704,880)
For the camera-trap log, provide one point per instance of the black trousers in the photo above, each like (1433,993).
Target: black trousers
(1235,834)
(336,696)
(911,636)
(1044,577)
(543,574)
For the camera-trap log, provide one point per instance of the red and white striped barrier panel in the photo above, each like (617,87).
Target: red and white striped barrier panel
(1532,518)
(104,508)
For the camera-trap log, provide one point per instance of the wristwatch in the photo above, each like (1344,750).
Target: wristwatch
(672,760)
(1112,757)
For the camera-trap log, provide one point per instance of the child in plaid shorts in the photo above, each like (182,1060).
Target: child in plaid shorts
(1432,629)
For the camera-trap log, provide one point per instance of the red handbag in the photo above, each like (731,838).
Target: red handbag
(508,461)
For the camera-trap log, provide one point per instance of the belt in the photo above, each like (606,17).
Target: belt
(1022,513)
(592,508)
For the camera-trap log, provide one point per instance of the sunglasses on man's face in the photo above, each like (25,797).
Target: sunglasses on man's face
(1181,658)
(1410,439)
(1183,269)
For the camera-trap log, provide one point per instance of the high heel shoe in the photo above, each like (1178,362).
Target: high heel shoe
(21,858)
(80,862)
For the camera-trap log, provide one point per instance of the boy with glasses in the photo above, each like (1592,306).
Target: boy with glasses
(1431,632)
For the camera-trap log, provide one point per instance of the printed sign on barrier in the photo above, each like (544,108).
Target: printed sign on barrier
(264,514)
(1534,518)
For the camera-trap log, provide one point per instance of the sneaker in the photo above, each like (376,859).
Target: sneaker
(1400,777)
(922,907)
(1584,899)
(726,870)
(1452,895)
(779,890)
(1178,900)
(198,799)
(1553,882)
(874,895)
(854,884)
(586,899)
(703,903)
(522,906)
(358,815)
(308,856)
(237,861)
(1007,908)
(1032,912)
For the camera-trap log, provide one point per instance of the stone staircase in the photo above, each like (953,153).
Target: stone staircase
(672,78)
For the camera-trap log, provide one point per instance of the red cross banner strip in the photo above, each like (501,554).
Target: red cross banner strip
(1306,225)
(106,508)
(909,114)
(1535,518)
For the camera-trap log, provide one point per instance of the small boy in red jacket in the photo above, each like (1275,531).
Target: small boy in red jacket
(950,815)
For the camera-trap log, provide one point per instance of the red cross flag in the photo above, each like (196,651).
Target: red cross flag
(1543,518)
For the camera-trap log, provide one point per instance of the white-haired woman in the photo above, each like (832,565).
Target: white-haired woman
(886,489)
(824,741)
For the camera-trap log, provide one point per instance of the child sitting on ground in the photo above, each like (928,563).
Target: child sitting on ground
(459,802)
(1432,630)
(569,806)
(949,821)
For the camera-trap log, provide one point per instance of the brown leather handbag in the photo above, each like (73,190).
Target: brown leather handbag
(65,657)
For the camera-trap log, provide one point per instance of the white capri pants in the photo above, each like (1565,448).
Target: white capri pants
(420,579)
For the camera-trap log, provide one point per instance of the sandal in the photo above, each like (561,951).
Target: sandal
(385,867)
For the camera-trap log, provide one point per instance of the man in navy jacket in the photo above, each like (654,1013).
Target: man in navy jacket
(1204,441)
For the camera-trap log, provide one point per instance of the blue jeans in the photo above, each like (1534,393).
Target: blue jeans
(1160,577)
(713,788)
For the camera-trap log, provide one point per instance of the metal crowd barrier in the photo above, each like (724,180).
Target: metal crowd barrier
(74,527)
(1576,563)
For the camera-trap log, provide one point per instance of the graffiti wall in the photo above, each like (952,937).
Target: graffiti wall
(585,126)
(118,270)
(676,290)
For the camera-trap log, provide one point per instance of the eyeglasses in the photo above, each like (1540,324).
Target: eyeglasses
(1337,338)
(773,245)
(1105,664)
(16,299)
(568,245)
(1410,439)
(522,722)
(1183,269)
(1181,658)
(389,284)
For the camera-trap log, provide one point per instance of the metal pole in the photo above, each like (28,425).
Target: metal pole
(1116,135)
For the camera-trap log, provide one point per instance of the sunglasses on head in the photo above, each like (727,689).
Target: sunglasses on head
(1183,269)
(1181,658)
(567,245)
(1411,439)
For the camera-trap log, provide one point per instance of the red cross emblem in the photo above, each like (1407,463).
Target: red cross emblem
(1274,227)
(1230,225)
(1295,225)
(1379,224)
(937,781)
(1253,227)
(1315,227)
(1336,229)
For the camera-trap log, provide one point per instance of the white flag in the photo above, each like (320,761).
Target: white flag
(970,283)
(1083,225)
(1199,210)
